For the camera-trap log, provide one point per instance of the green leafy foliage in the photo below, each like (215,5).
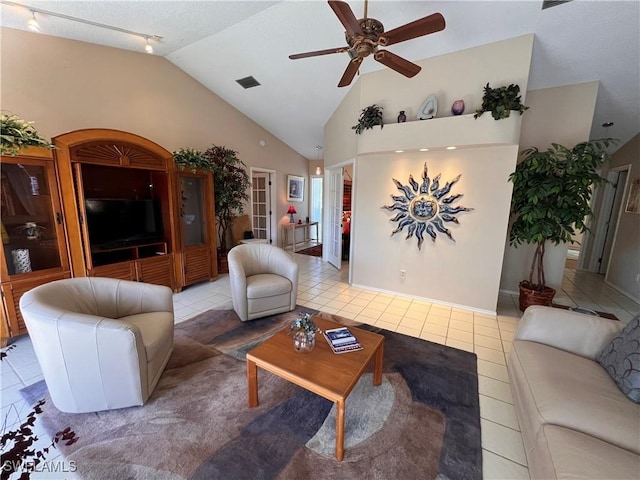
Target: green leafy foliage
(551,194)
(16,134)
(192,159)
(500,101)
(231,183)
(369,118)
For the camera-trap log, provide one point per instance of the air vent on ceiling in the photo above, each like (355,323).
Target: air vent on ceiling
(248,82)
(553,3)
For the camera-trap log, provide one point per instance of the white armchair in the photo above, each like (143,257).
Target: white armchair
(102,343)
(264,280)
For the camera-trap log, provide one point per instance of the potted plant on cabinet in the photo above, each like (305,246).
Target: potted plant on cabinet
(16,134)
(369,118)
(192,159)
(500,101)
(550,202)
(230,184)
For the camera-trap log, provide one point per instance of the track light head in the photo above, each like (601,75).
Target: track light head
(32,24)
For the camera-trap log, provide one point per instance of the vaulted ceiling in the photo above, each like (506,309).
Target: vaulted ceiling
(217,42)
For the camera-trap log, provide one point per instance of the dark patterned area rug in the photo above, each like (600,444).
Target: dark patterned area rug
(315,251)
(422,422)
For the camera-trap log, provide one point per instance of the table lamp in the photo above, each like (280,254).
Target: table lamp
(291,211)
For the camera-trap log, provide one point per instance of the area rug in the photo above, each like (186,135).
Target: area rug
(315,251)
(422,422)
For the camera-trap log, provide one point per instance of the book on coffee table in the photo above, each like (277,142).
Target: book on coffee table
(341,340)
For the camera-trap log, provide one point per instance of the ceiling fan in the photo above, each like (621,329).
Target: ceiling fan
(365,35)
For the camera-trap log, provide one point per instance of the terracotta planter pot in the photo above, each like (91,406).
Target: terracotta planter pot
(223,263)
(529,296)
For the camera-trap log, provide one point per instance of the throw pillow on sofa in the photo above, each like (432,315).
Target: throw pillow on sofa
(621,359)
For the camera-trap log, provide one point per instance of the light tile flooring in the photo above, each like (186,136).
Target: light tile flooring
(324,288)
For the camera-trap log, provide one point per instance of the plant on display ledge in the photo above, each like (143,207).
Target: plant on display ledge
(500,101)
(369,118)
(192,159)
(16,134)
(550,202)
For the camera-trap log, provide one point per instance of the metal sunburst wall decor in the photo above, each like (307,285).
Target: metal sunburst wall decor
(425,207)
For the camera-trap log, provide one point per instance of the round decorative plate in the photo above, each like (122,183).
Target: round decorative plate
(428,109)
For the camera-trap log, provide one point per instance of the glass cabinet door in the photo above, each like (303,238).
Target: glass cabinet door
(192,210)
(30,217)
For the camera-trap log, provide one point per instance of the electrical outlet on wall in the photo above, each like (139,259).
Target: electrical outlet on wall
(403,274)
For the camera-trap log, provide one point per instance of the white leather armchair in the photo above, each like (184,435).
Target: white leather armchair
(264,280)
(102,343)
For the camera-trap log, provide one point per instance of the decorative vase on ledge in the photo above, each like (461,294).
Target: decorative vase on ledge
(458,107)
(402,117)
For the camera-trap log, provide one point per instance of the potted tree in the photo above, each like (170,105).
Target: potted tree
(550,202)
(369,118)
(500,101)
(230,184)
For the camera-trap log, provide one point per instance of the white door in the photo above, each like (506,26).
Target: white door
(334,224)
(261,205)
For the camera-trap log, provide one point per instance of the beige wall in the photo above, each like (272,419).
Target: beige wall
(624,264)
(64,85)
(556,115)
(467,272)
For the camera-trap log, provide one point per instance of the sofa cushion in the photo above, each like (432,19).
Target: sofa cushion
(267,285)
(621,359)
(574,392)
(575,455)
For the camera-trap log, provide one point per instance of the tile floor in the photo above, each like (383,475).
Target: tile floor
(324,288)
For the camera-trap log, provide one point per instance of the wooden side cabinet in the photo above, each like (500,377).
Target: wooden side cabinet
(33,239)
(196,260)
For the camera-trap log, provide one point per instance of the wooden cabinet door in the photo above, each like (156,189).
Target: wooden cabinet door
(157,270)
(11,294)
(122,270)
(196,264)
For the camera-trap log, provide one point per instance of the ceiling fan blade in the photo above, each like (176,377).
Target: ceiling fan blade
(347,18)
(424,26)
(350,72)
(318,52)
(397,63)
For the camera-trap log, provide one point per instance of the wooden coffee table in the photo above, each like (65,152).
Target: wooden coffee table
(322,372)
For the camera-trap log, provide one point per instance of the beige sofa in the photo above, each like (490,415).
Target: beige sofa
(575,421)
(102,343)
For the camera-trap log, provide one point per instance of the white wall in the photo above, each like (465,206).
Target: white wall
(64,85)
(624,265)
(465,272)
(556,115)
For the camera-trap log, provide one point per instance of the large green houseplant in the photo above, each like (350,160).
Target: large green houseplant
(550,202)
(231,184)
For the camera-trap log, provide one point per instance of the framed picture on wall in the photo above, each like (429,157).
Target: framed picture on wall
(633,202)
(295,188)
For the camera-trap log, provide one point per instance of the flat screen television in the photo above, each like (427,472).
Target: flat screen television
(114,223)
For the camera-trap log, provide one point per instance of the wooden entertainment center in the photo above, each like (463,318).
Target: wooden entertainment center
(98,167)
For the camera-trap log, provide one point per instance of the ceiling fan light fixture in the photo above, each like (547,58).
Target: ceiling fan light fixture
(32,24)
